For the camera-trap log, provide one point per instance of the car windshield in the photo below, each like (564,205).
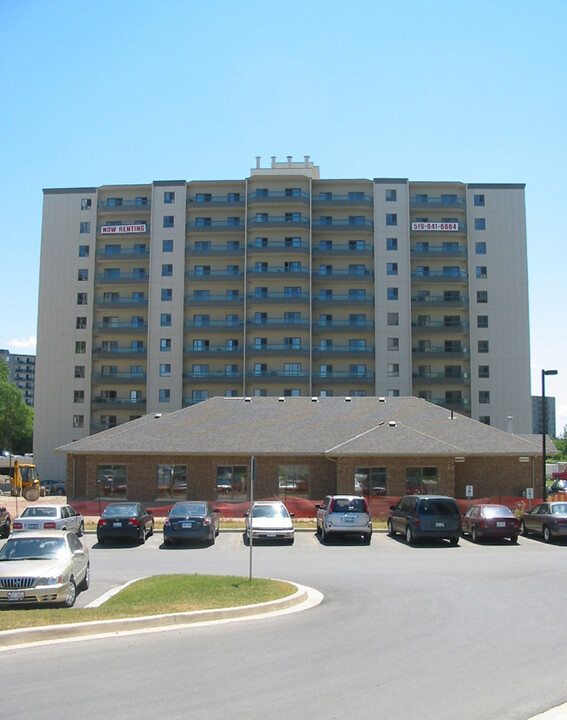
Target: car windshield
(40,512)
(119,510)
(269,511)
(495,512)
(353,505)
(33,549)
(559,508)
(438,507)
(184,510)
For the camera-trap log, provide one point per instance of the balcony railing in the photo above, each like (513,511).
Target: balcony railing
(341,376)
(137,351)
(279,322)
(344,324)
(121,301)
(120,377)
(438,250)
(119,204)
(439,301)
(279,297)
(278,246)
(345,200)
(213,275)
(440,351)
(197,251)
(215,226)
(344,299)
(278,196)
(215,324)
(277,349)
(439,326)
(279,221)
(214,300)
(104,279)
(441,377)
(119,402)
(123,254)
(121,327)
(216,376)
(274,375)
(332,225)
(437,275)
(213,350)
(426,202)
(348,274)
(343,350)
(278,270)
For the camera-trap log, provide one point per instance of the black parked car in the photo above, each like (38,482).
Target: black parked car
(190,520)
(426,516)
(125,521)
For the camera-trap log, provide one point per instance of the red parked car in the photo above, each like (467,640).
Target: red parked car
(491,521)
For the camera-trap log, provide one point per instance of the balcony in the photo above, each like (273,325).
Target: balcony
(218,300)
(278,297)
(344,325)
(215,325)
(301,248)
(336,249)
(440,276)
(278,375)
(352,200)
(441,378)
(279,270)
(214,250)
(115,328)
(213,275)
(279,322)
(279,197)
(122,302)
(121,278)
(118,403)
(436,251)
(345,274)
(342,225)
(213,377)
(439,301)
(343,376)
(444,202)
(194,226)
(119,378)
(213,350)
(438,326)
(343,300)
(461,404)
(275,349)
(123,352)
(123,254)
(336,350)
(218,201)
(440,351)
(278,222)
(118,205)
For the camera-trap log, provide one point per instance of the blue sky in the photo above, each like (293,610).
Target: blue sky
(135,91)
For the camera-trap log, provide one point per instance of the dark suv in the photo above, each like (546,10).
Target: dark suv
(425,516)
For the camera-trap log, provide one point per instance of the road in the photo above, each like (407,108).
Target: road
(432,631)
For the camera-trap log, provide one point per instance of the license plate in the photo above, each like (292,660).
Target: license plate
(187,525)
(270,534)
(15,595)
(118,524)
(349,519)
(500,524)
(33,526)
(439,524)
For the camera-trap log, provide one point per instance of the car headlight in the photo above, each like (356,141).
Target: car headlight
(51,580)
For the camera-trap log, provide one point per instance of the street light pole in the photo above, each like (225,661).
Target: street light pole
(544,430)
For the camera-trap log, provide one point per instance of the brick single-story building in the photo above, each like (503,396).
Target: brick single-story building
(303,447)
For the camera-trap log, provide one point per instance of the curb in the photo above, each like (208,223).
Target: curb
(304,598)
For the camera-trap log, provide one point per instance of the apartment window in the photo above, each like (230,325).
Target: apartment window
(325,294)
(232,269)
(165,319)
(167,270)
(483,397)
(136,345)
(479,200)
(203,197)
(231,369)
(293,266)
(79,371)
(325,269)
(325,344)
(391,243)
(483,346)
(260,317)
(356,269)
(484,371)
(292,343)
(357,319)
(167,245)
(233,244)
(451,271)
(169,197)
(482,296)
(138,297)
(136,370)
(165,344)
(78,421)
(80,347)
(391,219)
(325,244)
(451,321)
(164,395)
(393,318)
(201,294)
(260,343)
(202,270)
(325,319)
(166,294)
(81,323)
(292,392)
(482,321)
(168,221)
(356,220)
(392,268)
(356,293)
(84,228)
(83,274)
(260,267)
(79,396)
(260,392)
(232,294)
(292,217)
(261,192)
(231,319)
(293,192)
(392,293)
(326,220)
(359,370)
(357,393)
(231,344)
(165,370)
(422,246)
(233,197)
(231,393)
(292,317)
(292,368)
(86,203)
(84,250)
(292,242)
(481,272)
(292,291)
(109,370)
(357,344)
(393,343)
(233,220)
(356,245)
(391,195)
(393,370)
(480,248)
(261,292)
(199,370)
(480,224)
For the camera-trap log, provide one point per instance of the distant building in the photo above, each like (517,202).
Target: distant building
(154,297)
(22,373)
(537,414)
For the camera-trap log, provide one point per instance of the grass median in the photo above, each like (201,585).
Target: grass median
(157,595)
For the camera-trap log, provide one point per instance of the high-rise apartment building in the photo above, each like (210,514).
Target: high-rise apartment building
(154,297)
(22,373)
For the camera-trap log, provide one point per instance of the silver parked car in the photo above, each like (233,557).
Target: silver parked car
(344,515)
(50,517)
(269,520)
(43,567)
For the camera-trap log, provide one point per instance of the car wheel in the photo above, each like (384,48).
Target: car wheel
(324,536)
(454,540)
(474,536)
(246,539)
(391,531)
(514,539)
(86,581)
(151,530)
(71,594)
(100,540)
(547,536)
(142,538)
(318,530)
(367,538)
(409,536)
(61,491)
(290,541)
(212,538)
(81,530)
(523,529)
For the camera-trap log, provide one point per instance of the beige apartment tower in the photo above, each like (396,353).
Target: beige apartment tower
(154,297)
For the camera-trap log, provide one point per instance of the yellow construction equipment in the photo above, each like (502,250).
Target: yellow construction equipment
(25,481)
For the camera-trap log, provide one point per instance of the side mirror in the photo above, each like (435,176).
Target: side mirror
(318,506)
(392,507)
(247,513)
(292,514)
(150,512)
(2,509)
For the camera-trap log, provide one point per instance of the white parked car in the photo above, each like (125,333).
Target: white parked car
(269,520)
(50,517)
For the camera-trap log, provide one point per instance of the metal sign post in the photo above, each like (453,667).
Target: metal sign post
(530,496)
(469,493)
(252,476)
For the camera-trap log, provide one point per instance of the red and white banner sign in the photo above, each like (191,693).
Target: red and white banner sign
(435,226)
(114,229)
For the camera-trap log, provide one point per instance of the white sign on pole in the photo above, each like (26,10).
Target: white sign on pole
(469,491)
(529,493)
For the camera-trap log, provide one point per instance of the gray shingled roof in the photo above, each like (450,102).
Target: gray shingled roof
(301,426)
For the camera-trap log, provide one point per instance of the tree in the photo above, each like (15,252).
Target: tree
(16,418)
(560,443)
